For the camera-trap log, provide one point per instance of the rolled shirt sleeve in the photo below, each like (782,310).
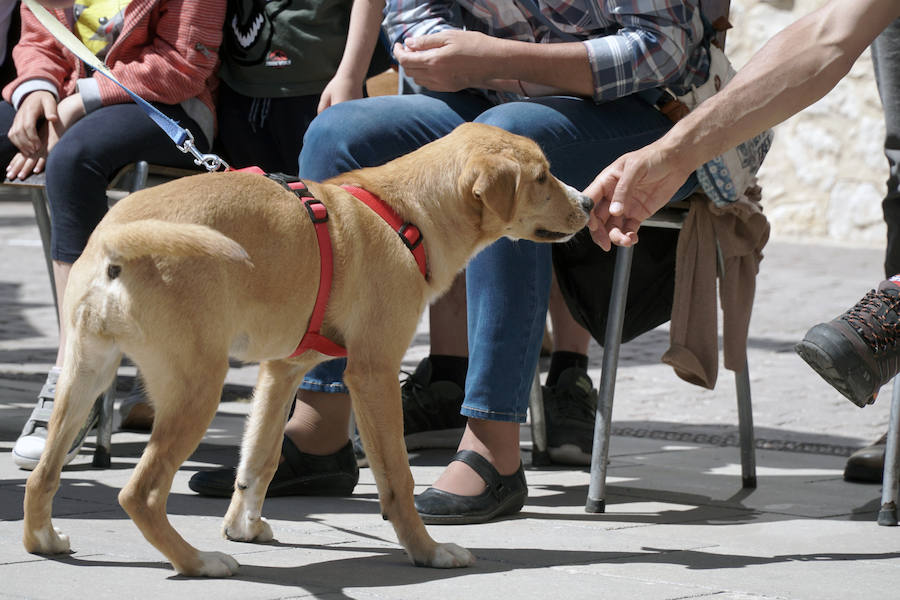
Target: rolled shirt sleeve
(657,44)
(411,18)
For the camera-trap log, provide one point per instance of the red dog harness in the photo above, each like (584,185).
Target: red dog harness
(318,213)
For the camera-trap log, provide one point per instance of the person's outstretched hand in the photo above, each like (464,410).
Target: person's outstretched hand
(628,191)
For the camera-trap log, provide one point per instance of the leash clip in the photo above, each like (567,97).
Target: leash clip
(211,162)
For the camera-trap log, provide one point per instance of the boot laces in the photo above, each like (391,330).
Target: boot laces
(875,319)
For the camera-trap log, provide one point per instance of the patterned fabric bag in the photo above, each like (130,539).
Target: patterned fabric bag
(725,178)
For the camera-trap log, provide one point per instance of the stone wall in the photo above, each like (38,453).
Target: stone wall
(825,175)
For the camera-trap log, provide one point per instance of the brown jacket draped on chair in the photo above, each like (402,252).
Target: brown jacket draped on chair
(742,231)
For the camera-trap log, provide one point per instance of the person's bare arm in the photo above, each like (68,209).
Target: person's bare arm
(795,68)
(365,25)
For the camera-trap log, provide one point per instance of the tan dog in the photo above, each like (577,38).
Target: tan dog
(184,275)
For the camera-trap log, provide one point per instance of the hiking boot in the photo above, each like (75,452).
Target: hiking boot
(570,409)
(857,352)
(431,416)
(30,445)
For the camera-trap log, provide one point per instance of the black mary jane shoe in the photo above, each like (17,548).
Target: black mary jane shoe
(505,495)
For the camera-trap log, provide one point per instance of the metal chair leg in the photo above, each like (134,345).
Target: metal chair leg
(539,455)
(141,172)
(596,499)
(42,216)
(103,451)
(888,514)
(745,427)
(745,407)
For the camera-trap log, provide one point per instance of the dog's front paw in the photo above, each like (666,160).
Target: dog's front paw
(450,556)
(248,530)
(211,564)
(49,540)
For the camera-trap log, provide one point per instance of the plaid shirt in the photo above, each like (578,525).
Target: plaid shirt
(632,45)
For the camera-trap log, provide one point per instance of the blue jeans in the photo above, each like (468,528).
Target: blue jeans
(508,283)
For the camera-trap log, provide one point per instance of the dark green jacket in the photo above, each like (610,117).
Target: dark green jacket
(283,48)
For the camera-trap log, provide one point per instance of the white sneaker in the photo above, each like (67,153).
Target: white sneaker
(30,445)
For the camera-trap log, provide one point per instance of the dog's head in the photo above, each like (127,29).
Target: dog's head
(509,177)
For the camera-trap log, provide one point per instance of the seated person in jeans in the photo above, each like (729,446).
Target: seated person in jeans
(81,128)
(565,78)
(260,126)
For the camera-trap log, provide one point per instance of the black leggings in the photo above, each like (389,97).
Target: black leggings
(88,155)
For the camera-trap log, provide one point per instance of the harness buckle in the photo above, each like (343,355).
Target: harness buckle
(412,245)
(317,211)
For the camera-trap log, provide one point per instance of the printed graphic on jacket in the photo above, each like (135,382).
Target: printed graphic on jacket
(249,30)
(98,23)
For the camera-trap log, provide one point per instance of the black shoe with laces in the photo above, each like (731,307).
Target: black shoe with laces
(431,416)
(570,409)
(858,352)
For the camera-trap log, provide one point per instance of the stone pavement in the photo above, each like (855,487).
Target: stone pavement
(678,524)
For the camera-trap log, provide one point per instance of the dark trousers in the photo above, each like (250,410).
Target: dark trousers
(88,155)
(886,56)
(263,132)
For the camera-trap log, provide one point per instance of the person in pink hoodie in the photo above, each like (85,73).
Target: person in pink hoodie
(79,128)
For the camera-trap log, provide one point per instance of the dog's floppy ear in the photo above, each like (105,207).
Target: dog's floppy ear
(494,181)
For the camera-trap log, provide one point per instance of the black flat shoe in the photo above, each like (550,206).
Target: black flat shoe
(866,465)
(300,474)
(505,495)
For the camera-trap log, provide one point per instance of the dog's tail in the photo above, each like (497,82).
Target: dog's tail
(152,237)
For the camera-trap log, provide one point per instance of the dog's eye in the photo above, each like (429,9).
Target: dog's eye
(542,178)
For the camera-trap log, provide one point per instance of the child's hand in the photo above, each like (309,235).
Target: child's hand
(340,89)
(66,113)
(21,166)
(36,109)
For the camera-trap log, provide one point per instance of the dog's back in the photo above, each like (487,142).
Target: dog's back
(216,244)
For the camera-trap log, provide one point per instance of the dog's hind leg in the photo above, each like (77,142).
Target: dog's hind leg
(185,395)
(260,449)
(90,365)
(379,416)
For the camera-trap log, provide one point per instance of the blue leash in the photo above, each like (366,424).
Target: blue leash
(183,138)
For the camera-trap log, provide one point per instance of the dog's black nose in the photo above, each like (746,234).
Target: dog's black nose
(586,203)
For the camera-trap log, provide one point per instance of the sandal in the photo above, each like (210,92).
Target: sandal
(299,474)
(505,495)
